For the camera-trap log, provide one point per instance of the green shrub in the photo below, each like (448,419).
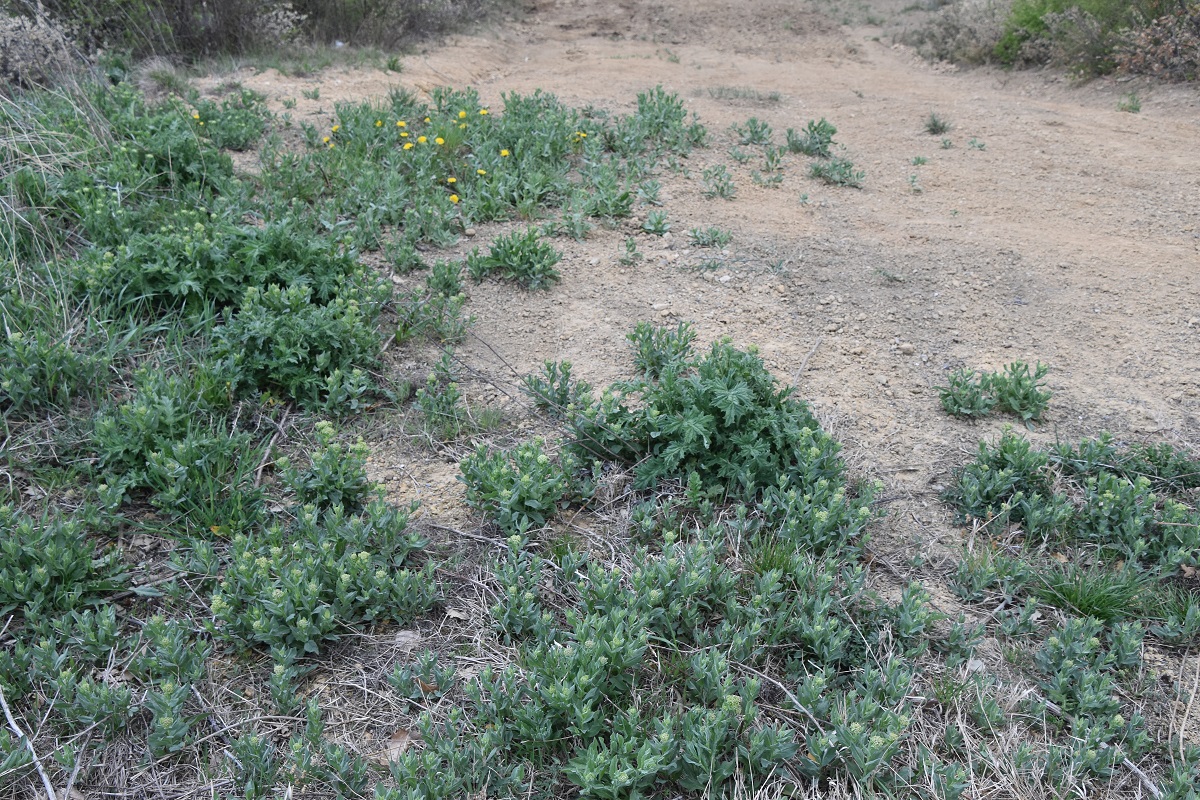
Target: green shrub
(165,408)
(720,416)
(837,172)
(281,340)
(40,366)
(523,488)
(445,415)
(1080,33)
(161,141)
(336,476)
(556,391)
(755,131)
(657,349)
(1168,48)
(434,314)
(206,480)
(935,125)
(299,587)
(197,262)
(709,237)
(48,566)
(718,183)
(816,139)
(520,257)
(1078,674)
(965,396)
(237,123)
(1017,389)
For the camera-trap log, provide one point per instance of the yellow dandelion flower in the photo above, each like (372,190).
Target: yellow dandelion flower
(404,135)
(483,112)
(463,126)
(201,122)
(401,123)
(462,115)
(451,180)
(336,128)
(481,172)
(331,145)
(504,154)
(378,123)
(421,140)
(325,140)
(439,140)
(195,115)
(427,119)
(453,198)
(408,145)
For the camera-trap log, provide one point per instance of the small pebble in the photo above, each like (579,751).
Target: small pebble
(907,349)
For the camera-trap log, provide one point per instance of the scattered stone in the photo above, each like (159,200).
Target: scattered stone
(407,639)
(725,278)
(907,348)
(469,232)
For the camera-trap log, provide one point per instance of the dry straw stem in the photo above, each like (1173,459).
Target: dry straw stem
(37,762)
(1187,712)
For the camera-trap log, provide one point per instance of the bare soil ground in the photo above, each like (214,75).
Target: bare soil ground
(1071,237)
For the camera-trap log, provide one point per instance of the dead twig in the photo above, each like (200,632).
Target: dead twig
(37,762)
(804,364)
(267,452)
(787,693)
(1187,712)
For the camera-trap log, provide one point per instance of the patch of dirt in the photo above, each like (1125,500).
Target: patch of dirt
(1053,228)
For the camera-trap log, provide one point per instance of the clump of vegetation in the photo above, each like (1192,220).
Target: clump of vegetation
(556,391)
(1112,506)
(720,416)
(592,704)
(1089,37)
(170,342)
(520,257)
(755,131)
(523,488)
(1109,536)
(816,139)
(719,183)
(935,125)
(709,237)
(1017,390)
(838,172)
(1130,103)
(1167,48)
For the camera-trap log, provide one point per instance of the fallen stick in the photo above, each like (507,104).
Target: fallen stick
(37,762)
